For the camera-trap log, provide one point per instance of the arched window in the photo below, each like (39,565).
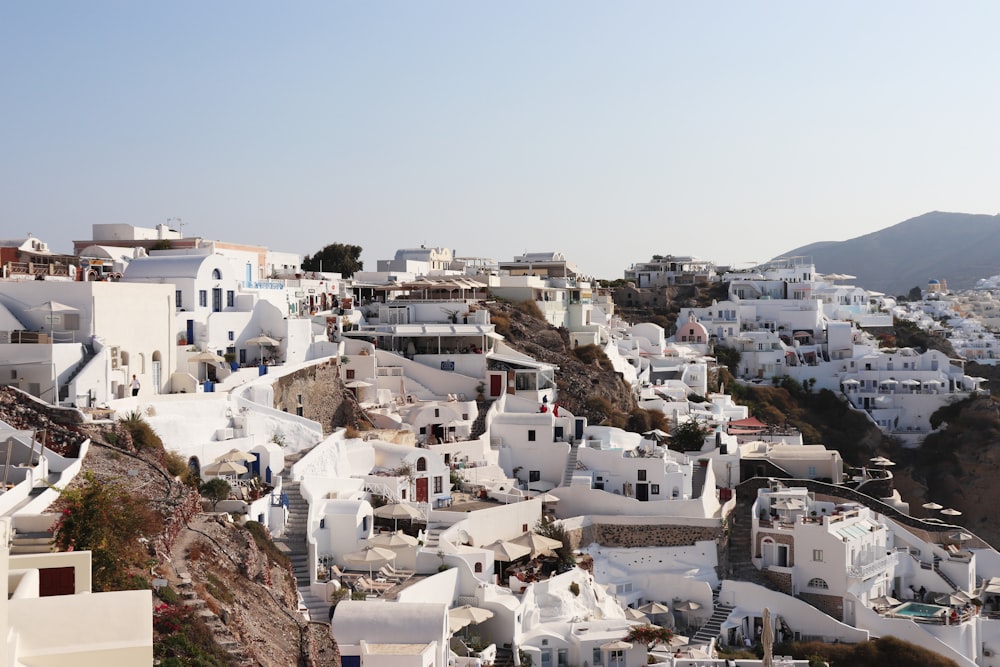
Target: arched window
(479,567)
(818,583)
(421,464)
(216,274)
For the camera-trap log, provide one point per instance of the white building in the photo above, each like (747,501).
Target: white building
(71,627)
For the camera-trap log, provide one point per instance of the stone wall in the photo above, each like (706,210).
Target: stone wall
(639,535)
(316,392)
(781,580)
(609,535)
(831,605)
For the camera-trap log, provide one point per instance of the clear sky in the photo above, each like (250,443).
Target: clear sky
(609,131)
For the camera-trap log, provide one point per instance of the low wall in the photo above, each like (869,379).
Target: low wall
(643,531)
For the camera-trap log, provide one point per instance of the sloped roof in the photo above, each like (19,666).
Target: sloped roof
(165,266)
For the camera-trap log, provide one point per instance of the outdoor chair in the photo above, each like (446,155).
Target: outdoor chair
(398,573)
(395,575)
(368,586)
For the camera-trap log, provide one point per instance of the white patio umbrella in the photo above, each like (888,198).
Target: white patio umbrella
(539,544)
(932,506)
(951,512)
(654,608)
(370,555)
(635,615)
(237,456)
(224,468)
(508,551)
(617,645)
(767,638)
(53,307)
(459,617)
(956,599)
(397,511)
(788,504)
(394,539)
(961,536)
(207,357)
(263,340)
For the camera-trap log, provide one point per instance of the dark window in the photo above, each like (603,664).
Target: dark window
(479,567)
(232,335)
(230,298)
(531,435)
(534,475)
(438,485)
(216,274)
(203,298)
(642,475)
(654,489)
(178,299)
(421,464)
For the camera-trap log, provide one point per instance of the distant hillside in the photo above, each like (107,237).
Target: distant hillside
(958,247)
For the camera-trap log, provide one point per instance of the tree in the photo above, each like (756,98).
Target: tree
(215,490)
(336,257)
(547,527)
(650,635)
(109,521)
(688,436)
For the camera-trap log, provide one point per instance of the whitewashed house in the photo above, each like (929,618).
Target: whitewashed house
(80,343)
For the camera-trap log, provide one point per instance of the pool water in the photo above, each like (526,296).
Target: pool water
(920,610)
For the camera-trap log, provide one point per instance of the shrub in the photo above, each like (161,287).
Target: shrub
(530,308)
(168,595)
(501,323)
(107,520)
(264,543)
(184,639)
(217,588)
(143,435)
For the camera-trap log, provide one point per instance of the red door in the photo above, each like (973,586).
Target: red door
(422,490)
(496,385)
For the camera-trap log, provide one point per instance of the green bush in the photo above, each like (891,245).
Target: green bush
(143,435)
(168,595)
(259,533)
(102,517)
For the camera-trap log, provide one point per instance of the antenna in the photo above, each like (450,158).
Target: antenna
(180,225)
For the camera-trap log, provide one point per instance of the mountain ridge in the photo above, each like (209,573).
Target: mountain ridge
(957,247)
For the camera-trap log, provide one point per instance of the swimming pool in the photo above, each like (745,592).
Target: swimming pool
(920,610)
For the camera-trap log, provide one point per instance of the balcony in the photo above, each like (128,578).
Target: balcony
(869,570)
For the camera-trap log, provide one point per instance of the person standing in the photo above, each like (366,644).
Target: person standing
(135,385)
